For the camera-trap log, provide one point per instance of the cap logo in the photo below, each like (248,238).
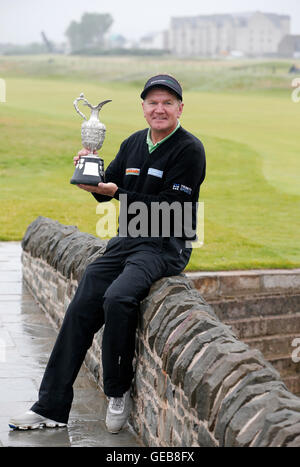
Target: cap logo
(161,81)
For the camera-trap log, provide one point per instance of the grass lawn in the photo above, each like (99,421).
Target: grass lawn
(242,112)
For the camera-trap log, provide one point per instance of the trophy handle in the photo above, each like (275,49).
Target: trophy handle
(99,106)
(81,98)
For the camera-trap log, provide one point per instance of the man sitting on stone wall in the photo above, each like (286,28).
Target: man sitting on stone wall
(161,165)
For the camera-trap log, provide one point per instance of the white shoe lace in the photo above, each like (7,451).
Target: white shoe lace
(116,404)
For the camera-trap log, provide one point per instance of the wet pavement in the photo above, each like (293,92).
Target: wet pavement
(26,340)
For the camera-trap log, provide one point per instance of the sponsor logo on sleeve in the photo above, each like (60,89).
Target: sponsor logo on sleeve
(186,189)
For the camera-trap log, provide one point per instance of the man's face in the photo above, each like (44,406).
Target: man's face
(162,110)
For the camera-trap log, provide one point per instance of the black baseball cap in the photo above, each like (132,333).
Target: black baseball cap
(163,81)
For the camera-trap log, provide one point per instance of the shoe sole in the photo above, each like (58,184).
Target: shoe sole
(37,425)
(114,432)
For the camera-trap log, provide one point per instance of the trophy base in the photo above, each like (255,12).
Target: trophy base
(88,171)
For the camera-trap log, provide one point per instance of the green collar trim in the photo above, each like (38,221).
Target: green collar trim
(152,146)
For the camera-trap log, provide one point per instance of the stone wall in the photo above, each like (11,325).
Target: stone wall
(262,307)
(195,383)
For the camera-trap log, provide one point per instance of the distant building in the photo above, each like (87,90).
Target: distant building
(290,46)
(155,41)
(250,34)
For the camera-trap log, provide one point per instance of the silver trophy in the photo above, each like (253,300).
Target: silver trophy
(90,169)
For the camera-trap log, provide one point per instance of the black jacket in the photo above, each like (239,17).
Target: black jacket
(171,174)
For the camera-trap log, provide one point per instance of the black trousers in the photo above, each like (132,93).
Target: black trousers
(109,293)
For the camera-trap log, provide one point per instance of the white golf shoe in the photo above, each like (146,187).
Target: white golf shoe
(118,412)
(31,421)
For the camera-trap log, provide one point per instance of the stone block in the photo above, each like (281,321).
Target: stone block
(203,361)
(139,386)
(273,346)
(208,286)
(179,409)
(181,330)
(180,303)
(285,435)
(61,290)
(253,384)
(167,310)
(278,282)
(229,382)
(183,304)
(205,438)
(187,432)
(179,361)
(29,237)
(249,420)
(263,326)
(239,284)
(151,415)
(255,306)
(294,443)
(217,374)
(69,253)
(292,382)
(161,384)
(158,293)
(166,426)
(276,421)
(178,426)
(170,393)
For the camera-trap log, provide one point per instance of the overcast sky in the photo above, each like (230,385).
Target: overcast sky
(21,21)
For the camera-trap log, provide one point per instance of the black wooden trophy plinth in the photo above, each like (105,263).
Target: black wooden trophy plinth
(89,171)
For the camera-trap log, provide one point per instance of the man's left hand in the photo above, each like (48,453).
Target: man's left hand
(108,189)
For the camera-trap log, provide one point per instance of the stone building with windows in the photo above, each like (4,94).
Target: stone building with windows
(251,34)
(290,46)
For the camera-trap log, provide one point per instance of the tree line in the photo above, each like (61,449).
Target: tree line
(87,37)
(89,32)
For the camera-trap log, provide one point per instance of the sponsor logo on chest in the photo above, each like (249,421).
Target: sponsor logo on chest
(133,171)
(155,172)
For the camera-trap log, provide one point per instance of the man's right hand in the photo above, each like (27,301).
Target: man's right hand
(82,152)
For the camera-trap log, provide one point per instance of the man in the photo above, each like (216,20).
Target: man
(162,165)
